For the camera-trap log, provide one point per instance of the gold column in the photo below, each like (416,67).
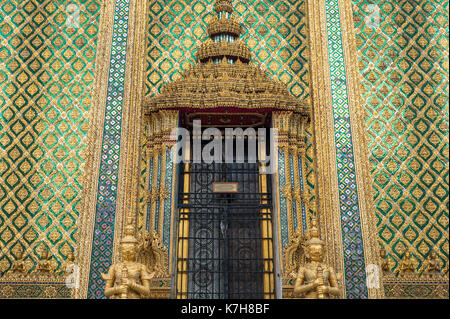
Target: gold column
(286,191)
(297,149)
(133,117)
(360,147)
(322,122)
(327,191)
(267,242)
(162,194)
(183,244)
(305,196)
(296,188)
(170,122)
(155,145)
(161,124)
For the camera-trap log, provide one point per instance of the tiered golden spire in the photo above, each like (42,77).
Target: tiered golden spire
(224,10)
(224,76)
(224,31)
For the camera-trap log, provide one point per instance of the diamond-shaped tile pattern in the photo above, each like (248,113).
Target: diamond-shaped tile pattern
(46,61)
(403,60)
(352,237)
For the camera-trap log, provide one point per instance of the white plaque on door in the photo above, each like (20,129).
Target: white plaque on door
(225,187)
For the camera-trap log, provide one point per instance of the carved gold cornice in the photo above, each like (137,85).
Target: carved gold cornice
(291,128)
(415,286)
(235,85)
(160,125)
(50,285)
(33,277)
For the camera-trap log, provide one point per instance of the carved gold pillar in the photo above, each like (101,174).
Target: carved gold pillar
(158,187)
(112,154)
(297,150)
(154,157)
(170,123)
(289,191)
(159,209)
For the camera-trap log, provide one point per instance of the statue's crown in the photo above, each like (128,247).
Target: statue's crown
(315,241)
(128,233)
(313,234)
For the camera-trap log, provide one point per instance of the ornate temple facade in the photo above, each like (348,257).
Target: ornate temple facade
(92,195)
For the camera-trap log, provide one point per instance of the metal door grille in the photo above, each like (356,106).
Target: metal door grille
(224,242)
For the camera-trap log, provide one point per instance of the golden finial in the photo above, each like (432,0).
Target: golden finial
(224,51)
(128,232)
(224,32)
(223,5)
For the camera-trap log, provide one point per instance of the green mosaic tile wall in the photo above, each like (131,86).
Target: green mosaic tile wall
(403,60)
(46,76)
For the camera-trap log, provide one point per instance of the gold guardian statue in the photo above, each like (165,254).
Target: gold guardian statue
(128,279)
(315,280)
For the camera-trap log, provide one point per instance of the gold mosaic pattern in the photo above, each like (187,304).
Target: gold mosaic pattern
(403,59)
(46,75)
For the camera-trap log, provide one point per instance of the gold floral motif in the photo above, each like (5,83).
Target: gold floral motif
(153,254)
